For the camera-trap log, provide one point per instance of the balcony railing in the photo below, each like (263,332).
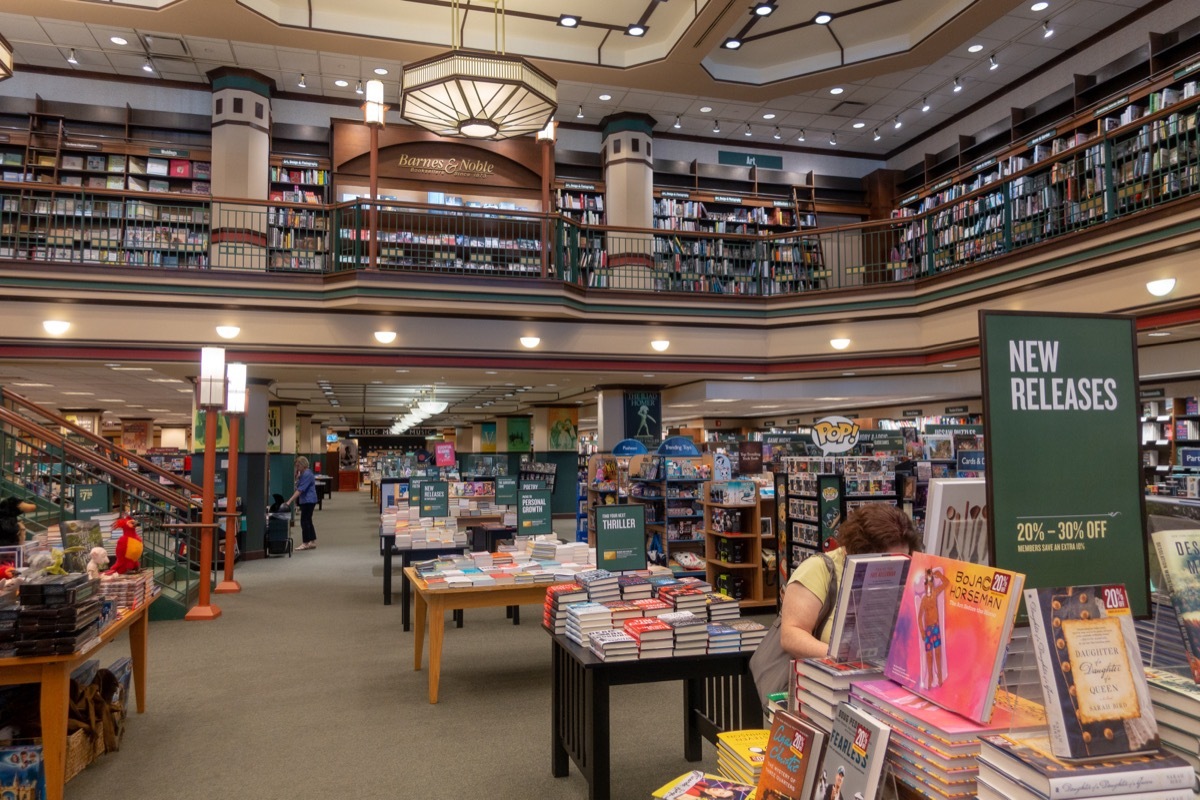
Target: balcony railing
(1045,192)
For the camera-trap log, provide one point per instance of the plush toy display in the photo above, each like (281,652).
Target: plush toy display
(129,548)
(97,561)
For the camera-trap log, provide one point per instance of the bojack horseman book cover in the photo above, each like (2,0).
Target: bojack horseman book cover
(952,632)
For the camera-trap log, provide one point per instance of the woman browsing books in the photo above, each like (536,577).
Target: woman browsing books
(806,617)
(306,493)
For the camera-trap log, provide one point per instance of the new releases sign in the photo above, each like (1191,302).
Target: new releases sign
(533,513)
(621,537)
(435,499)
(1056,385)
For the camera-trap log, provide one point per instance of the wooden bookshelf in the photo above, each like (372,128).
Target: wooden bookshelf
(671,490)
(733,541)
(298,238)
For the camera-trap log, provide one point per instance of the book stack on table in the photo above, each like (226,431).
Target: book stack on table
(613,645)
(586,618)
(601,585)
(634,587)
(685,598)
(697,784)
(621,611)
(723,639)
(558,597)
(819,684)
(752,632)
(655,638)
(131,590)
(1176,700)
(59,614)
(740,754)
(691,632)
(722,607)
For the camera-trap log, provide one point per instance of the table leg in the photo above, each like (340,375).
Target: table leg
(405,592)
(419,636)
(437,632)
(458,617)
(138,651)
(559,664)
(516,614)
(693,699)
(387,579)
(596,748)
(55,700)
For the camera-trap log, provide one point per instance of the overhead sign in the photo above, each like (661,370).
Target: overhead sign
(949,430)
(956,409)
(1065,384)
(732,158)
(629,447)
(971,460)
(531,485)
(621,537)
(435,499)
(912,412)
(678,446)
(1189,457)
(357,432)
(835,434)
(91,499)
(533,513)
(881,441)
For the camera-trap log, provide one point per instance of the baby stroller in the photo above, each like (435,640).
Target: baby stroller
(278,540)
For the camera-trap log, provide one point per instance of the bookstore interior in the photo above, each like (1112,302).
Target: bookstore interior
(634,315)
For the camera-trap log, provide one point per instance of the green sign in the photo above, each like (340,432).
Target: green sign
(734,159)
(529,485)
(506,490)
(91,499)
(949,430)
(829,505)
(880,441)
(533,513)
(435,499)
(621,537)
(1064,456)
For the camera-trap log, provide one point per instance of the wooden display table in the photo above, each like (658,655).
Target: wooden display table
(53,674)
(432,605)
(718,696)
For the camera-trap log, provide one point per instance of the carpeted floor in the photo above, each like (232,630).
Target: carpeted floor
(304,689)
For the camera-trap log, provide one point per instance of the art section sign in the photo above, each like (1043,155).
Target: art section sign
(643,417)
(1064,455)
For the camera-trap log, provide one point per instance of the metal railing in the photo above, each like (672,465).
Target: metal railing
(1050,190)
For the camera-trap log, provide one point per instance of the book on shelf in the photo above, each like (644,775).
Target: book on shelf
(952,632)
(1029,759)
(793,760)
(1097,702)
(867,603)
(854,755)
(1179,559)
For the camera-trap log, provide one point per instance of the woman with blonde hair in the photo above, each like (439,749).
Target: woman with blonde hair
(306,493)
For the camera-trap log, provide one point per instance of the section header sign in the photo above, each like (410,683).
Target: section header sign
(533,513)
(621,537)
(1064,457)
(435,499)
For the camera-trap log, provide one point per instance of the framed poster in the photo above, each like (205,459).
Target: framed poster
(274,429)
(1064,471)
(643,417)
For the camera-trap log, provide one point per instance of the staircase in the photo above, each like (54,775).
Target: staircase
(43,458)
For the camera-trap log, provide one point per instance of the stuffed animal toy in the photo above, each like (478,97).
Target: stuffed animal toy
(129,548)
(97,561)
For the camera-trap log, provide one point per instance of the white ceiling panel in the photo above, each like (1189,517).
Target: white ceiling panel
(24,29)
(298,60)
(210,49)
(39,55)
(255,57)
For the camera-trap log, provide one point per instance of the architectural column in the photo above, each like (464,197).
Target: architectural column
(628,157)
(241,149)
(281,447)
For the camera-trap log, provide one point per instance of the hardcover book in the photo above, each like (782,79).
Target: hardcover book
(1085,644)
(868,599)
(952,632)
(956,519)
(1009,712)
(854,757)
(790,769)
(1029,759)
(1179,557)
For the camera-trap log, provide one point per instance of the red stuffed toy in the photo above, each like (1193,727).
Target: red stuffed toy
(129,548)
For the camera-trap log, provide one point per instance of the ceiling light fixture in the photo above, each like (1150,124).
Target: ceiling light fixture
(660,344)
(341,83)
(1047,31)
(636,29)
(677,124)
(432,407)
(777,134)
(839,344)
(859,125)
(993,63)
(705,109)
(380,71)
(477,95)
(836,90)
(147,66)
(716,126)
(925,104)
(957,85)
(748,131)
(876,137)
(302,84)
(119,40)
(228,331)
(1158,334)
(1161,287)
(800,138)
(897,124)
(823,18)
(385,337)
(768,115)
(56,327)
(579,113)
(530,341)
(833,138)
(764,9)
(606,97)
(732,43)
(71,59)
(568,21)
(1039,6)
(358,87)
(975,48)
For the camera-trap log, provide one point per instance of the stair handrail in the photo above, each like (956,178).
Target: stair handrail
(109,447)
(127,477)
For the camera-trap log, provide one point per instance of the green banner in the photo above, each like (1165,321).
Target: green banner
(435,499)
(735,159)
(533,513)
(518,440)
(506,490)
(1064,455)
(530,485)
(829,505)
(91,499)
(621,537)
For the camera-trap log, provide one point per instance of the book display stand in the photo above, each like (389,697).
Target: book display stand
(862,630)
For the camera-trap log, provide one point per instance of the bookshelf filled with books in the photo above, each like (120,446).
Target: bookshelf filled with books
(607,481)
(733,541)
(671,490)
(297,237)
(1170,435)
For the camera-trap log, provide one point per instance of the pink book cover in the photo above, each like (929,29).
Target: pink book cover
(1009,714)
(952,632)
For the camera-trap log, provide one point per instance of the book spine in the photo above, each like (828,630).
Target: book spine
(1180,779)
(1043,651)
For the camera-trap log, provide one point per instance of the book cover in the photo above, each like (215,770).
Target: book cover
(854,756)
(1179,558)
(956,519)
(1008,713)
(1029,759)
(952,632)
(701,785)
(22,772)
(1085,644)
(1174,691)
(748,747)
(868,600)
(793,753)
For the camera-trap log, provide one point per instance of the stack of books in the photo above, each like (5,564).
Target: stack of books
(685,598)
(819,684)
(740,754)
(601,585)
(653,607)
(723,639)
(752,633)
(585,618)
(634,587)
(655,638)
(722,607)
(1021,767)
(1176,700)
(544,549)
(558,597)
(613,645)
(622,610)
(691,633)
(932,750)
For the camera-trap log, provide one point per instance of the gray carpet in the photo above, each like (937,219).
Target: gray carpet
(304,688)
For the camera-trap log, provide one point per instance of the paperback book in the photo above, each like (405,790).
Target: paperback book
(1097,702)
(741,753)
(952,631)
(1179,558)
(793,754)
(867,603)
(854,757)
(700,785)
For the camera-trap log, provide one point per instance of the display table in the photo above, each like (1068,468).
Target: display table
(431,611)
(485,536)
(387,544)
(53,674)
(718,695)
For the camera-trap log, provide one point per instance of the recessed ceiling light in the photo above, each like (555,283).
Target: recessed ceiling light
(530,341)
(1155,334)
(108,399)
(228,331)
(839,344)
(859,125)
(385,337)
(836,90)
(764,9)
(648,375)
(118,40)
(848,374)
(705,109)
(568,21)
(823,18)
(489,372)
(44,385)
(341,83)
(949,366)
(380,71)
(606,97)
(56,327)
(975,48)
(768,115)
(732,43)
(401,371)
(660,344)
(1039,6)
(747,377)
(87,394)
(635,30)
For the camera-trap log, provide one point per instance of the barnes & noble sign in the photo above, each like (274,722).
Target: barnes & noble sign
(441,167)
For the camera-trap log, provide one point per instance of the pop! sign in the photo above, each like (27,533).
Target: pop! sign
(835,435)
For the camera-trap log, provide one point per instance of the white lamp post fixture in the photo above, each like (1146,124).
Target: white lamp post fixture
(212,376)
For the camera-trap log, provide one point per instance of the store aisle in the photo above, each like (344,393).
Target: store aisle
(304,688)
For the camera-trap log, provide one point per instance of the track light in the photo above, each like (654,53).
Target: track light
(957,85)
(897,124)
(731,43)
(833,138)
(993,62)
(800,138)
(71,59)
(717,126)
(877,137)
(302,84)
(579,114)
(777,134)
(748,131)
(358,88)
(147,66)
(677,124)
(925,104)
(1047,31)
